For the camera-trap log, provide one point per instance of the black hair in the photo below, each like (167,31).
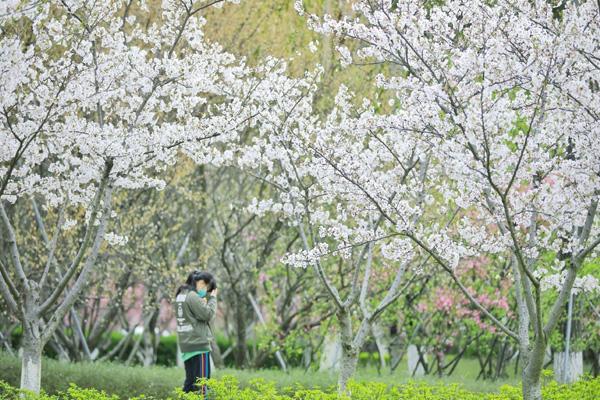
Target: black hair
(195,276)
(212,285)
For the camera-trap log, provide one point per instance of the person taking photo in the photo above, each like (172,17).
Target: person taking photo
(195,307)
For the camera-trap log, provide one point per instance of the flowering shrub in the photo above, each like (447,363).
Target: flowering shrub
(446,325)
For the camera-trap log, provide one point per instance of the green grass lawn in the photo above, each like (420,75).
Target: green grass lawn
(465,375)
(160,381)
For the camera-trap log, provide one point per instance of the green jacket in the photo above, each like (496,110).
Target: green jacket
(193,318)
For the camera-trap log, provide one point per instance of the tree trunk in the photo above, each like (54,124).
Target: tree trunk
(382,346)
(568,371)
(348,365)
(31,363)
(150,339)
(532,371)
(350,352)
(595,361)
(241,346)
(215,354)
(31,346)
(331,353)
(531,355)
(532,388)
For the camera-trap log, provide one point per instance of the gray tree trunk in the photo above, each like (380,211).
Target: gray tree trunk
(331,354)
(381,342)
(241,347)
(215,355)
(151,339)
(569,371)
(348,365)
(532,370)
(31,359)
(532,388)
(350,350)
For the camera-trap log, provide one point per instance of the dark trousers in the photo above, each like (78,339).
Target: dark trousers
(196,368)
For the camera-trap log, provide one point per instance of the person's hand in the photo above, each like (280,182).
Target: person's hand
(214,292)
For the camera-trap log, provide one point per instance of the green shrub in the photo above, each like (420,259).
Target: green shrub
(101,380)
(365,359)
(112,378)
(166,353)
(228,388)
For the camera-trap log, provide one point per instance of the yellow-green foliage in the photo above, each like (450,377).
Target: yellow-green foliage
(260,28)
(227,388)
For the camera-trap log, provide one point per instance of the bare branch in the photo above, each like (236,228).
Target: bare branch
(51,245)
(8,290)
(84,244)
(585,252)
(365,284)
(90,261)
(558,306)
(14,249)
(585,232)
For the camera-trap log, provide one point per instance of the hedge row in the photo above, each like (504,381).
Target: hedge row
(166,353)
(157,382)
(228,388)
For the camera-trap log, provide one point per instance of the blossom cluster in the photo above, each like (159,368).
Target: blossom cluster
(492,143)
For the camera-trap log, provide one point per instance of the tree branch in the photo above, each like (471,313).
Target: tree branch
(8,290)
(88,266)
(84,244)
(51,245)
(14,249)
(321,273)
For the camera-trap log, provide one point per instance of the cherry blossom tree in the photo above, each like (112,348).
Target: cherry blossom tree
(337,227)
(243,248)
(503,97)
(94,100)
